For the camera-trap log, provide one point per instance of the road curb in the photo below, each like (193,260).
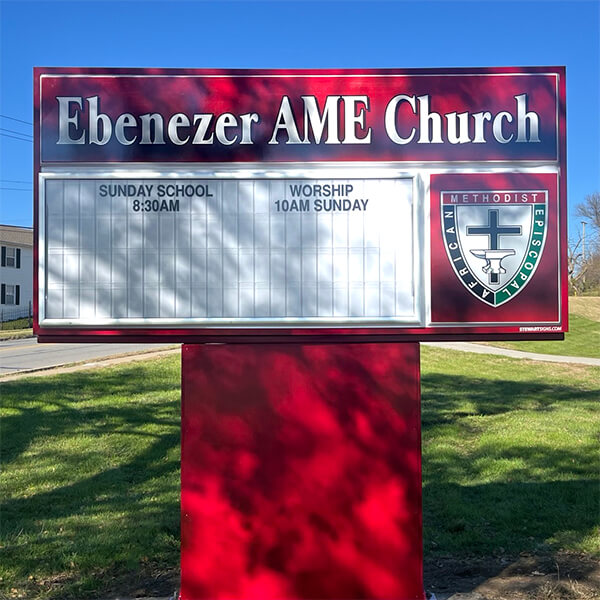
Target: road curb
(519,354)
(96,363)
(16,337)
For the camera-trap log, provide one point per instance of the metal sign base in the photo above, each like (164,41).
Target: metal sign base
(301,471)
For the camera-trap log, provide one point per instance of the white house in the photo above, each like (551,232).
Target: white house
(16,271)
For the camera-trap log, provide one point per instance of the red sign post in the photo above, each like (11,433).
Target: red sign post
(301,471)
(300,232)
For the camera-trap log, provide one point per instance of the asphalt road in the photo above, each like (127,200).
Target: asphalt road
(27,354)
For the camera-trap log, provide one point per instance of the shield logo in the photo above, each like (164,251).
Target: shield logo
(494,240)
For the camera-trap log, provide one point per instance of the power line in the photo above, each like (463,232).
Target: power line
(18,120)
(16,189)
(13,181)
(17,132)
(16,138)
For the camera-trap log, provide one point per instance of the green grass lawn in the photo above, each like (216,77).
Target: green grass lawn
(510,455)
(582,339)
(90,478)
(14,330)
(15,334)
(90,469)
(16,324)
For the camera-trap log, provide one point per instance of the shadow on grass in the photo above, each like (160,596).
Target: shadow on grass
(444,397)
(494,519)
(503,495)
(56,406)
(121,505)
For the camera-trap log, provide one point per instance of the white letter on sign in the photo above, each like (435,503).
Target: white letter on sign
(285,120)
(524,117)
(94,118)
(351,119)
(125,120)
(313,119)
(64,120)
(390,119)
(497,127)
(425,119)
(176,121)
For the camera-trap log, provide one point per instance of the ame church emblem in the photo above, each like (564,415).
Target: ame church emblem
(494,239)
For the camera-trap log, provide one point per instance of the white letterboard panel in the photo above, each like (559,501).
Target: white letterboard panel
(225,251)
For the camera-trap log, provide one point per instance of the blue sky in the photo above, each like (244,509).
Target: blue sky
(288,34)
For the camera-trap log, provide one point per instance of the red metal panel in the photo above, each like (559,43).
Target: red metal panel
(281,337)
(563,232)
(301,472)
(170,91)
(36,195)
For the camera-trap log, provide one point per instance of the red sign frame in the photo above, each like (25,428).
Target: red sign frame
(403,133)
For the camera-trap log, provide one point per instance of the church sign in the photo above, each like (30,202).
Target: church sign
(197,205)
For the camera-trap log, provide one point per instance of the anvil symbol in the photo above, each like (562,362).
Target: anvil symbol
(494,258)
(493,255)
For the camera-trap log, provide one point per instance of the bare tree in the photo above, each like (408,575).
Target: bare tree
(589,210)
(584,249)
(576,266)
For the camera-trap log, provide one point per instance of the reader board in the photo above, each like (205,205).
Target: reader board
(204,205)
